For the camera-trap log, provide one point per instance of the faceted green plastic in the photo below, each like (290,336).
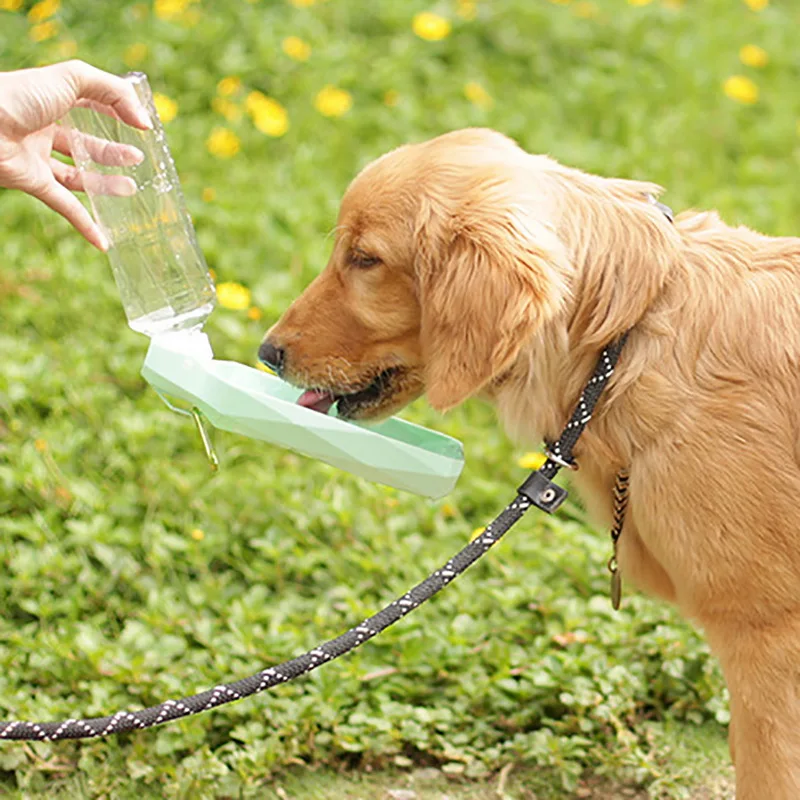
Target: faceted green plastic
(244,400)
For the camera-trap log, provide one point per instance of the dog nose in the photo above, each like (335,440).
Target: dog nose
(272,356)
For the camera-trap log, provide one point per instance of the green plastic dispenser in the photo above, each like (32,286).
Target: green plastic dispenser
(168,294)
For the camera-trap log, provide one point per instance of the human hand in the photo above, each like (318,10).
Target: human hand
(31,103)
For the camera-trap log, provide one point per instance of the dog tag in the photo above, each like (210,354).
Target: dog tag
(616,589)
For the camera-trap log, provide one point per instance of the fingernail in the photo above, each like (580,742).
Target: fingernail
(103,242)
(144,119)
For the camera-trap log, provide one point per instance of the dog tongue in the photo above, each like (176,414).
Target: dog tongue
(316,400)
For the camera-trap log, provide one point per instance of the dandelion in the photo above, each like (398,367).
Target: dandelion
(741,89)
(198,535)
(430,26)
(223,143)
(391,98)
(40,445)
(135,54)
(227,109)
(757,5)
(302,3)
(639,2)
(209,194)
(477,95)
(10,5)
(751,55)
(467,9)
(296,48)
(585,10)
(333,102)
(233,296)
(268,115)
(449,510)
(166,107)
(43,31)
(43,10)
(169,9)
(228,86)
(254,313)
(532,460)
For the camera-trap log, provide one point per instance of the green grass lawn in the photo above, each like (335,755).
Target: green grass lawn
(131,573)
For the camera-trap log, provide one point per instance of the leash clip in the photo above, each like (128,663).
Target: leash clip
(542,492)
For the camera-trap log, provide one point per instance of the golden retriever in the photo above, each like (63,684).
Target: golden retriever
(465,266)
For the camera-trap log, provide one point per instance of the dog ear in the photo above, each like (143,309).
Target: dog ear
(488,278)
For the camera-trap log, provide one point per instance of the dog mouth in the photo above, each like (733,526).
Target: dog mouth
(347,404)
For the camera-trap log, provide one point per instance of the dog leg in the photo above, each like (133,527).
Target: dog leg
(762,668)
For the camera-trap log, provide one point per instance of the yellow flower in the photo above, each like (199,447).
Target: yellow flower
(467,9)
(449,510)
(254,313)
(209,194)
(741,89)
(10,5)
(391,98)
(640,2)
(477,95)
(532,460)
(223,143)
(135,54)
(233,296)
(43,31)
(166,107)
(430,26)
(302,3)
(43,10)
(169,9)
(333,102)
(585,10)
(757,5)
(268,115)
(751,55)
(296,48)
(226,108)
(67,49)
(40,445)
(228,86)
(198,535)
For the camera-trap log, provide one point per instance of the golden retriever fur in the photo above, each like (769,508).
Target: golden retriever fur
(466,266)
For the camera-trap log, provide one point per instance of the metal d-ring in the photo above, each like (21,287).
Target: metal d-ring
(560,461)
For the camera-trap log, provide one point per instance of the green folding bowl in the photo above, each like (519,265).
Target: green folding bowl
(244,400)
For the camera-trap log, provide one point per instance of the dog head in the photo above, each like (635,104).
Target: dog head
(447,259)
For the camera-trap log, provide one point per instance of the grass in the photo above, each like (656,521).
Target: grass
(130,573)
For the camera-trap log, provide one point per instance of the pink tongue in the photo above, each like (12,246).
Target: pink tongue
(316,401)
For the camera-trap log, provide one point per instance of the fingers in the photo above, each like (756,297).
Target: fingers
(110,90)
(110,154)
(91,182)
(61,200)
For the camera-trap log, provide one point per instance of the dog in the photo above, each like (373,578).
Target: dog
(464,266)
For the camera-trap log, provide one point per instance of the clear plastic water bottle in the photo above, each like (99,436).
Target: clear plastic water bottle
(163,279)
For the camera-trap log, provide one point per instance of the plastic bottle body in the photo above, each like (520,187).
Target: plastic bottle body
(161,274)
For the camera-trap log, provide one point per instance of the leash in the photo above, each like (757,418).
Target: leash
(537,490)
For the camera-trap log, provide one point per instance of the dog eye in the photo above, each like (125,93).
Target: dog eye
(363,260)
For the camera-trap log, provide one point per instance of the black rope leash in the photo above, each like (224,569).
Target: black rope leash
(538,490)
